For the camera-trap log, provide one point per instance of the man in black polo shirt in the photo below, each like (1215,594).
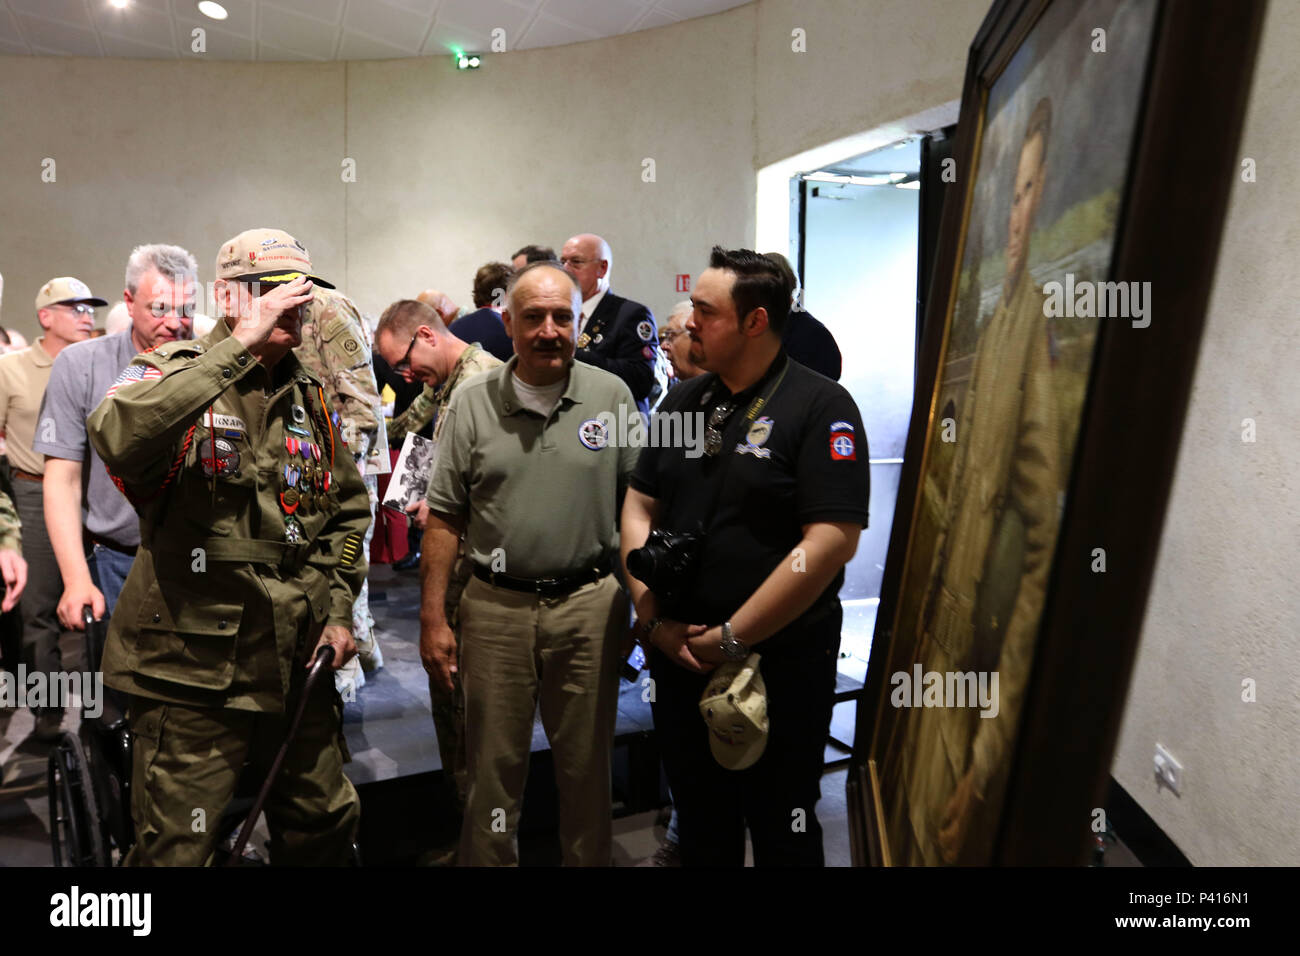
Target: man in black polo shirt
(779,498)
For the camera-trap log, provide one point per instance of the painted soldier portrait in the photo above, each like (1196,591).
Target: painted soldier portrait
(1005,413)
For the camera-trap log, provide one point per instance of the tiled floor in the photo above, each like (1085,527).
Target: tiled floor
(392,740)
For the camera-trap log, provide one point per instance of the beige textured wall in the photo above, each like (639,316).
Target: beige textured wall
(454,169)
(867,64)
(1225,605)
(160,151)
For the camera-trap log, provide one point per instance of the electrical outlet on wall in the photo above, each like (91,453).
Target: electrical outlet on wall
(1169,772)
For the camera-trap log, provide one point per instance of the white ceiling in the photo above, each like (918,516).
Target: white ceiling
(324,29)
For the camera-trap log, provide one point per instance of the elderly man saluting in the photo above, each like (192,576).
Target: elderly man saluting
(252,516)
(543,615)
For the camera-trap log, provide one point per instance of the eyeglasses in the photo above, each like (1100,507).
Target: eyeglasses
(405,363)
(670,334)
(713,430)
(80,308)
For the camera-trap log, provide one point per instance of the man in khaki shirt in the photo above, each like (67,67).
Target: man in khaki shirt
(65,309)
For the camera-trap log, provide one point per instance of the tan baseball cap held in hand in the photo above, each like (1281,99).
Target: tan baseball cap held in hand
(65,289)
(265,255)
(734,706)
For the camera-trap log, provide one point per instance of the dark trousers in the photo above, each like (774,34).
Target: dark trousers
(777,796)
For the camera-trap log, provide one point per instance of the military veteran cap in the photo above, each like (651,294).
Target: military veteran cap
(65,289)
(734,707)
(265,255)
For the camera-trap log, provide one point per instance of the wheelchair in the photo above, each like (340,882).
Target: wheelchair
(90,786)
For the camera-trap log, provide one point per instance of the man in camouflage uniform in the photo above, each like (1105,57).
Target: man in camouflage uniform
(252,515)
(418,414)
(412,338)
(336,349)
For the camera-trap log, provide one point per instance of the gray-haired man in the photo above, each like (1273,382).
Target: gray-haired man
(95,537)
(543,616)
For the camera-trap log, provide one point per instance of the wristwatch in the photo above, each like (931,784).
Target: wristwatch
(732,648)
(648,629)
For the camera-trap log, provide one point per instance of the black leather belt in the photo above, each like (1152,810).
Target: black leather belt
(113,545)
(543,587)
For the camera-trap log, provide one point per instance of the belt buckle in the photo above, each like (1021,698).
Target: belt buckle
(545,584)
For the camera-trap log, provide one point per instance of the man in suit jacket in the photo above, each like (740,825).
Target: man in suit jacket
(805,339)
(614,333)
(485,326)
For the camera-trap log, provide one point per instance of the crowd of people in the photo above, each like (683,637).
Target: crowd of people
(210,487)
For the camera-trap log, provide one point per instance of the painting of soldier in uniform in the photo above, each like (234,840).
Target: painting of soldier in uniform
(1051,161)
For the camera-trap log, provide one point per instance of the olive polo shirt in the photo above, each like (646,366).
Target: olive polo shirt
(23,377)
(545,491)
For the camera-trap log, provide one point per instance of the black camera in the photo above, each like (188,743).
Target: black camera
(665,563)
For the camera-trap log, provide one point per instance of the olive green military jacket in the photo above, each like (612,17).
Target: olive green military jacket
(220,605)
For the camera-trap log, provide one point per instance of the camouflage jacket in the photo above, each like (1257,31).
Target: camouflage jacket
(10,535)
(336,349)
(434,399)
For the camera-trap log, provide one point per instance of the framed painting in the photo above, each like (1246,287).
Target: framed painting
(1080,229)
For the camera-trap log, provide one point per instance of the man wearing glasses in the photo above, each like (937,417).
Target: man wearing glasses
(614,333)
(443,362)
(676,343)
(777,501)
(95,555)
(65,309)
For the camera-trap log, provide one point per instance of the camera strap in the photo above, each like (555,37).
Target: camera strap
(751,413)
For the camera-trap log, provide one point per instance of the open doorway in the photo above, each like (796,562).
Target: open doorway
(861,239)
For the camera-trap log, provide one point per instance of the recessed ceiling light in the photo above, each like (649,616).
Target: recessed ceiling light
(214,10)
(120,4)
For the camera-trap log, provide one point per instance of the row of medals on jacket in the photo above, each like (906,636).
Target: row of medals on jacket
(306,478)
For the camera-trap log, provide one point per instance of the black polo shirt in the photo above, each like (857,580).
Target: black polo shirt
(802,459)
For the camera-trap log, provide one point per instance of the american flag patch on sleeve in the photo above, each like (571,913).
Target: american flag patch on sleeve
(133,373)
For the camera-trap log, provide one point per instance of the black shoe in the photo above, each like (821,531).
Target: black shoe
(412,560)
(49,725)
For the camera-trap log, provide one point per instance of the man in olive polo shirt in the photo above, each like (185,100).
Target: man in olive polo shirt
(65,309)
(543,616)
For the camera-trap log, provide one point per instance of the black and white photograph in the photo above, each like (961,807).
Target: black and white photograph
(410,476)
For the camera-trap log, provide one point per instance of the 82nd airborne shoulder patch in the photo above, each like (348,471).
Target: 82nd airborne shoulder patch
(843,447)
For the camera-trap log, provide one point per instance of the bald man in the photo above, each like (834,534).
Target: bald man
(614,333)
(441,303)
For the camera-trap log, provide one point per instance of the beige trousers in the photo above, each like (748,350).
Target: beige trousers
(519,650)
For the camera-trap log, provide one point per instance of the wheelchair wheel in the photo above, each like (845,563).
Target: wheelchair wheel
(110,770)
(75,835)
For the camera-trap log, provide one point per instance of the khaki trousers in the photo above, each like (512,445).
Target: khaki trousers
(519,649)
(187,763)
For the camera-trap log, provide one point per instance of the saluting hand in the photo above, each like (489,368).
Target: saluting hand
(258,315)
